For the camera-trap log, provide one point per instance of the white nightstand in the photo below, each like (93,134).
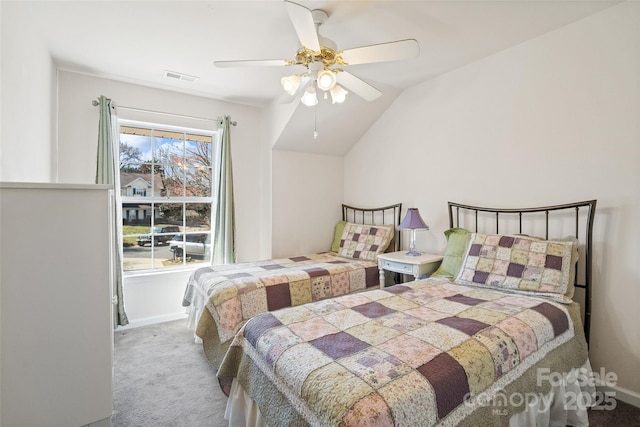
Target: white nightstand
(399,262)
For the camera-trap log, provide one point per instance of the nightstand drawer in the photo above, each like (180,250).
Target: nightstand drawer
(400,262)
(398,267)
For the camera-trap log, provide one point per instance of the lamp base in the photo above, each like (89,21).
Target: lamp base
(413,252)
(412,246)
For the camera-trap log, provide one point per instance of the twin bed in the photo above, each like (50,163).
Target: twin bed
(220,299)
(477,343)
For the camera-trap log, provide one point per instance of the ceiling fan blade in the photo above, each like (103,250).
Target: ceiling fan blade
(358,86)
(391,51)
(254,63)
(302,20)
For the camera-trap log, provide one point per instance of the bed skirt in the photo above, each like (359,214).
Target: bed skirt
(193,315)
(565,409)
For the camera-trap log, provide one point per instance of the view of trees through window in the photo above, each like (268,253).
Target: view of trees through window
(166,184)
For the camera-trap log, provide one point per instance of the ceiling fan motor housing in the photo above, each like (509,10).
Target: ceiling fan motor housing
(328,54)
(319,16)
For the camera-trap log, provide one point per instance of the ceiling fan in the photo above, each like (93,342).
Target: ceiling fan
(324,64)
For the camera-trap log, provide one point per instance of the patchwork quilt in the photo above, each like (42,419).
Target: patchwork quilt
(234,293)
(416,354)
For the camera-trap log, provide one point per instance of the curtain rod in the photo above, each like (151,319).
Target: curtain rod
(95,103)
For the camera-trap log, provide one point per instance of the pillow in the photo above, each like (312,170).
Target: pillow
(337,235)
(362,241)
(457,239)
(574,259)
(519,264)
(574,263)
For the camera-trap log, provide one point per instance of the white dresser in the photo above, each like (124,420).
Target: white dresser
(55,303)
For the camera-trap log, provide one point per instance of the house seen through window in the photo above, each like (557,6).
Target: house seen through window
(166,188)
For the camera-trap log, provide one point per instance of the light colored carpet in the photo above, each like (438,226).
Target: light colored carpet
(162,378)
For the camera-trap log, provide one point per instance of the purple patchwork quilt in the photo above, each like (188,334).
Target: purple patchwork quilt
(234,293)
(414,354)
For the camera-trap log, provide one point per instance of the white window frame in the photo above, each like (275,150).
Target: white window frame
(154,200)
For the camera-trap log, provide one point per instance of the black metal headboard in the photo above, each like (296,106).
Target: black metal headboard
(577,217)
(386,215)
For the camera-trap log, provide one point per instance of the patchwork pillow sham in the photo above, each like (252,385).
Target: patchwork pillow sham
(574,262)
(574,259)
(520,264)
(362,241)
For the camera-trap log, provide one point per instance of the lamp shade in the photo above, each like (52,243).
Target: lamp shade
(309,98)
(338,94)
(326,79)
(291,84)
(413,220)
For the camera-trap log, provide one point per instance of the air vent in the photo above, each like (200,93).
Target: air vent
(180,76)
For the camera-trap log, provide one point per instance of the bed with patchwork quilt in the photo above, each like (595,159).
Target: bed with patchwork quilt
(466,347)
(414,354)
(222,298)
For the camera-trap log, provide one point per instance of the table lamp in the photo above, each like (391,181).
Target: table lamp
(413,221)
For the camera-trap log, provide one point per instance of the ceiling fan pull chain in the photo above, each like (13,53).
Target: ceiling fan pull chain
(315,122)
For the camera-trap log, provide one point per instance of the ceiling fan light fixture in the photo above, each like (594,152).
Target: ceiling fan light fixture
(326,79)
(324,62)
(290,84)
(338,94)
(309,98)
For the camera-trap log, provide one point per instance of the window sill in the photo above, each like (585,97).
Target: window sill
(176,270)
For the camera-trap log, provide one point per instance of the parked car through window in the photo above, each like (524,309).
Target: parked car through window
(190,244)
(160,235)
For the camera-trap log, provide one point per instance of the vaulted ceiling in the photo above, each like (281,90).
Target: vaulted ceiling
(136,41)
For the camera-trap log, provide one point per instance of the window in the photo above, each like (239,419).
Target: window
(166,187)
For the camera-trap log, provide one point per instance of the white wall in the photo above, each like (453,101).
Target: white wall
(27,105)
(552,120)
(307,194)
(77,145)
(27,83)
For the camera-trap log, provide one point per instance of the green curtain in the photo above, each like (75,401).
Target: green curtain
(108,172)
(224,251)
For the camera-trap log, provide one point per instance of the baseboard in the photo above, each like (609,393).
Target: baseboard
(152,321)
(622,394)
(102,423)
